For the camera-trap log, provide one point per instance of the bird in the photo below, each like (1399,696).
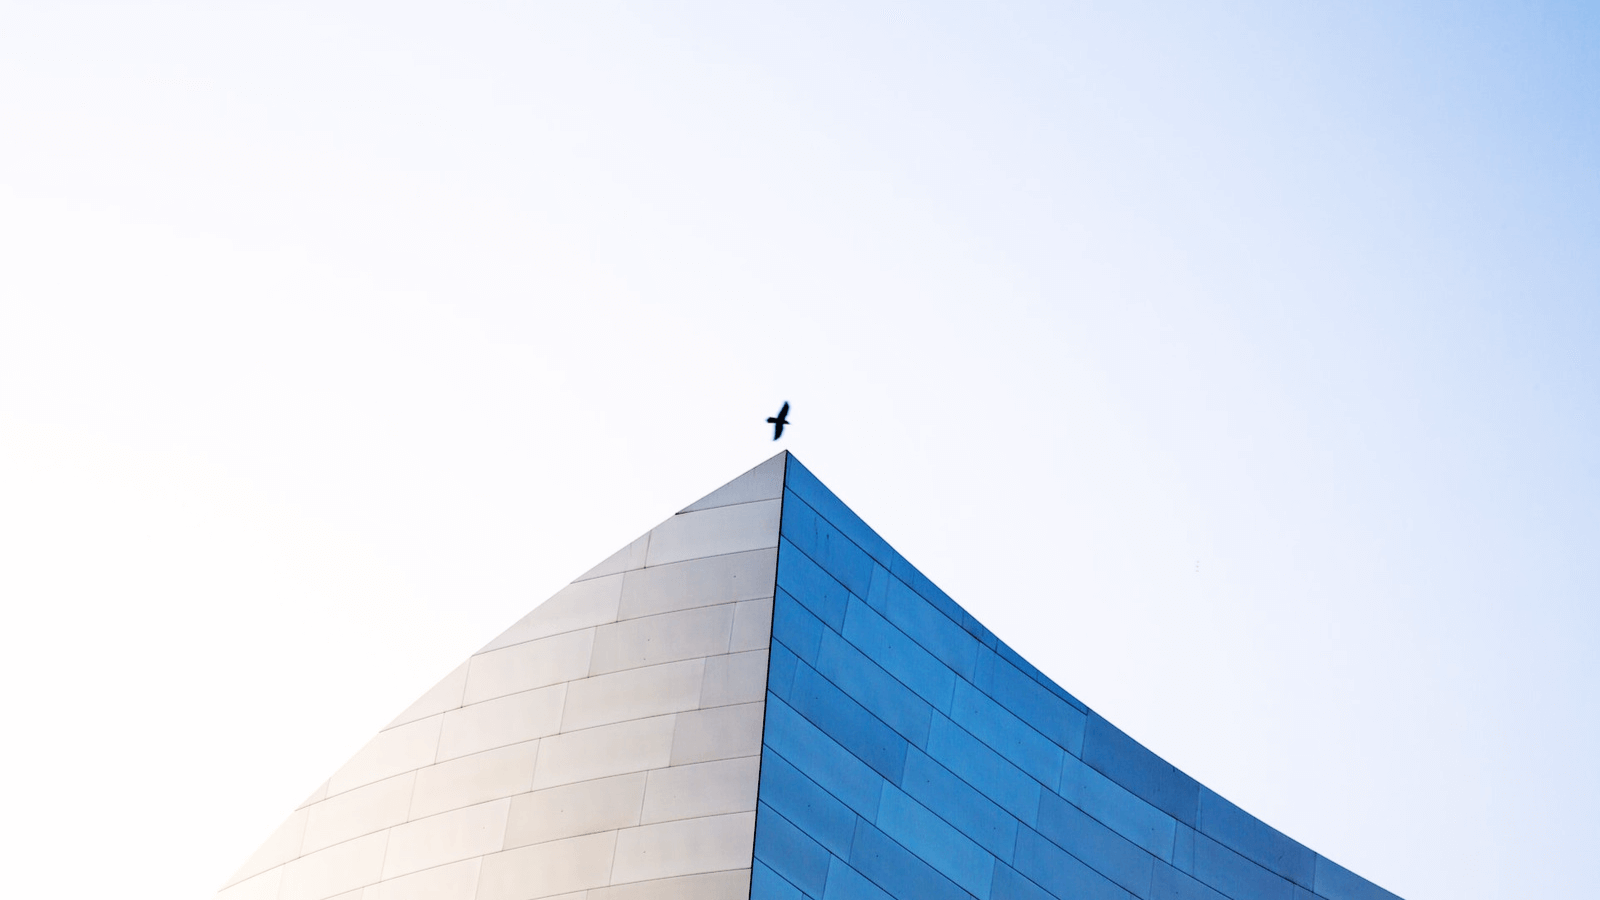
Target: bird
(777,422)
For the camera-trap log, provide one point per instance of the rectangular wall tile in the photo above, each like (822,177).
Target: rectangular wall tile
(529,665)
(780,672)
(1235,876)
(935,632)
(766,884)
(881,693)
(1104,850)
(502,721)
(764,482)
(457,881)
(925,588)
(790,852)
(546,870)
(983,768)
(1061,873)
(1254,839)
(807,805)
(1031,701)
(607,750)
(725,732)
(806,486)
(813,587)
(960,804)
(447,837)
(625,560)
(752,625)
(845,883)
(1008,735)
(901,656)
(1170,884)
(897,870)
(336,869)
(369,808)
(877,595)
(826,545)
(685,847)
(808,749)
(796,627)
(1128,763)
(633,694)
(700,790)
(1183,849)
(669,637)
(604,804)
(699,582)
(1027,668)
(1011,885)
(734,678)
(714,532)
(848,723)
(1118,808)
(934,841)
(469,780)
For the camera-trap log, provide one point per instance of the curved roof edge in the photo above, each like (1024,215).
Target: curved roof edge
(991,777)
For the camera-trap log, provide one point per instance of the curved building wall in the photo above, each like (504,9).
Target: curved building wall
(910,754)
(761,699)
(605,747)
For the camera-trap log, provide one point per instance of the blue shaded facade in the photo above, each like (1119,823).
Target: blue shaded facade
(910,754)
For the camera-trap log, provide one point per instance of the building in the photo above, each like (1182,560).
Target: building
(761,700)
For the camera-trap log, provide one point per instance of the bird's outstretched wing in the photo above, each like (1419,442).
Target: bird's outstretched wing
(778,421)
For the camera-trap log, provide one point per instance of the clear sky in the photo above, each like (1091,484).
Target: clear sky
(1237,363)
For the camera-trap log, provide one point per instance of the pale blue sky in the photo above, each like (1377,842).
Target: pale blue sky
(1237,364)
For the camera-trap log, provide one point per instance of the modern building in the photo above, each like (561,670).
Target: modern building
(761,700)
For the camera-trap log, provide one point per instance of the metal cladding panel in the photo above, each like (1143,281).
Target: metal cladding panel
(761,699)
(605,747)
(910,754)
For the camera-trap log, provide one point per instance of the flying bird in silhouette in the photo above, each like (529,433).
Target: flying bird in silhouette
(777,422)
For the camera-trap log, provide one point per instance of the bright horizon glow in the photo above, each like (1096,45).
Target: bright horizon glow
(1237,367)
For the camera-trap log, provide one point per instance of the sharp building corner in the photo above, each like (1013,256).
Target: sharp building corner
(760,699)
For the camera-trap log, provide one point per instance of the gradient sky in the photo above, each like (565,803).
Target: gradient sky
(1239,365)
